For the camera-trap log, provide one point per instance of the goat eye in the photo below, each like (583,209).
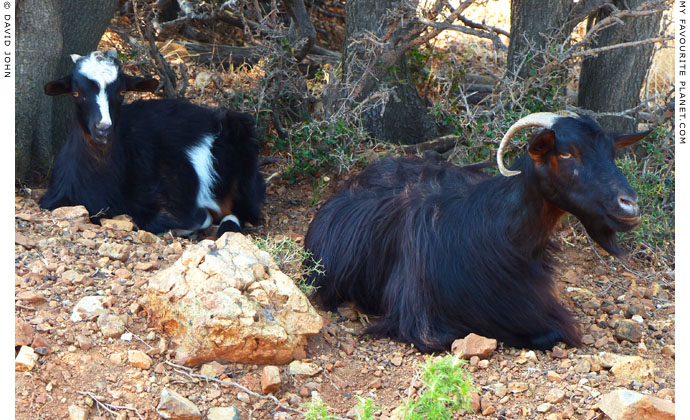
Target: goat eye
(565,155)
(75,93)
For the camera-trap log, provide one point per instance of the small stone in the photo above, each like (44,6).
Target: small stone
(483,364)
(474,345)
(517,387)
(25,360)
(397,360)
(628,330)
(22,240)
(243,397)
(212,370)
(146,266)
(270,379)
(84,342)
(87,307)
(555,396)
(607,360)
(531,355)
(147,237)
(544,408)
(111,325)
(115,359)
(559,353)
(73,213)
(665,394)
(30,296)
(552,376)
(115,224)
(123,273)
(77,413)
(669,350)
(588,339)
(633,368)
(174,406)
(23,333)
(500,390)
(223,413)
(638,319)
(304,392)
(114,251)
(583,366)
(139,359)
(474,361)
(624,404)
(475,401)
(303,369)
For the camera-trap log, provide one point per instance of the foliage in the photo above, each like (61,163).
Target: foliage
(653,178)
(290,255)
(366,408)
(317,147)
(447,386)
(317,410)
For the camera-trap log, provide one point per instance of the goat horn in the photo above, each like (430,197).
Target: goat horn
(539,119)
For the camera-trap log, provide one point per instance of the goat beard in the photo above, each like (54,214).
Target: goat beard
(604,236)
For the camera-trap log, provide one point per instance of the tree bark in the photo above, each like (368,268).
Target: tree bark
(48,31)
(612,81)
(533,25)
(405,119)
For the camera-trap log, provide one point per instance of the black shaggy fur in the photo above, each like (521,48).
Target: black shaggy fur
(441,251)
(144,170)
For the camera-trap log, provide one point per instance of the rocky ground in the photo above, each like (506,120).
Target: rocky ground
(121,366)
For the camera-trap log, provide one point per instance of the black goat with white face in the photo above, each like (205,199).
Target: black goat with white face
(169,164)
(441,251)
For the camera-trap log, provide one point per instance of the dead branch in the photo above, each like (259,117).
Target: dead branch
(595,51)
(481,34)
(185,371)
(302,32)
(110,408)
(439,144)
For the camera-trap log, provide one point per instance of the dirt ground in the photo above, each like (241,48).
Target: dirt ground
(75,359)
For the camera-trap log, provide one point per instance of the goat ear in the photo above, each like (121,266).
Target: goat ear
(623,140)
(140,84)
(541,144)
(59,87)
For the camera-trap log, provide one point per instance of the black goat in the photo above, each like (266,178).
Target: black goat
(169,164)
(441,251)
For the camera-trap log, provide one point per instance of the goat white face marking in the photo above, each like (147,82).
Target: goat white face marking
(102,71)
(230,217)
(202,160)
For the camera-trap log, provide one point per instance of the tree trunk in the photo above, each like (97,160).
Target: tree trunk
(534,24)
(405,118)
(612,80)
(48,31)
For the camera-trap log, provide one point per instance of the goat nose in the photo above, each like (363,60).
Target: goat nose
(103,126)
(628,204)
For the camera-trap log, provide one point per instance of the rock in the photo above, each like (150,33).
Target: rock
(212,370)
(270,379)
(23,333)
(303,369)
(70,277)
(74,214)
(117,224)
(139,359)
(114,251)
(606,360)
(147,237)
(146,266)
(500,390)
(559,353)
(669,350)
(77,413)
(544,408)
(474,345)
(22,240)
(223,413)
(628,330)
(87,307)
(633,368)
(517,387)
(243,397)
(210,300)
(583,366)
(84,342)
(475,401)
(397,360)
(25,360)
(555,395)
(174,406)
(665,394)
(624,404)
(111,325)
(30,296)
(552,376)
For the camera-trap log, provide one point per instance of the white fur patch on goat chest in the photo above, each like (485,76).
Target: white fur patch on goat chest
(202,160)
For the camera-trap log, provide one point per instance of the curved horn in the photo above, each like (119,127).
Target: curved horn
(539,119)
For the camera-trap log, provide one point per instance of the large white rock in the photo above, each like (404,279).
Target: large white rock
(228,301)
(624,404)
